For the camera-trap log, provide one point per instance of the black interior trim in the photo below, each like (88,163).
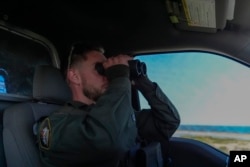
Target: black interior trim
(192,153)
(14,98)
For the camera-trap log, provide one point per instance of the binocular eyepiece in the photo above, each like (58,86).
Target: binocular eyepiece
(136,67)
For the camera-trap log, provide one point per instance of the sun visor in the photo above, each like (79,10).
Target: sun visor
(200,15)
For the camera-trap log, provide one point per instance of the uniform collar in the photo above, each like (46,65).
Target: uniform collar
(78,104)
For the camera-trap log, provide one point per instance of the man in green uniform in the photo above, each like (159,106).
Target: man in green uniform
(99,126)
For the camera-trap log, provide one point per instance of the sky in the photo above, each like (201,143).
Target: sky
(206,89)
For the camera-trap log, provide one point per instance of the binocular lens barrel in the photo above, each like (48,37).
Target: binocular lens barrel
(136,67)
(100,69)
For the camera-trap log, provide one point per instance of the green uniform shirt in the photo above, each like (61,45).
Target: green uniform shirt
(102,133)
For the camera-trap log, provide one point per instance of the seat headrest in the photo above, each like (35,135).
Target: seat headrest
(49,85)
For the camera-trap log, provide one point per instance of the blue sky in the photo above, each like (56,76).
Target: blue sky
(206,89)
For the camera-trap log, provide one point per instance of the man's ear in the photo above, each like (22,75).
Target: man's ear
(73,76)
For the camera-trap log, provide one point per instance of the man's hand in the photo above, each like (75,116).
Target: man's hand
(120,59)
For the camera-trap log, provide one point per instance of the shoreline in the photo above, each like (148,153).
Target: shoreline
(223,141)
(225,135)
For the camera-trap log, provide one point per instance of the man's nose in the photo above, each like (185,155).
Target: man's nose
(105,79)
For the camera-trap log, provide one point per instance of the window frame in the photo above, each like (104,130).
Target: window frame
(36,38)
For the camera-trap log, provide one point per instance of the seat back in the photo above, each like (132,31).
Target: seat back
(50,91)
(2,155)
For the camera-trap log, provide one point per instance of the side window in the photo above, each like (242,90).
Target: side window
(211,93)
(3,76)
(19,55)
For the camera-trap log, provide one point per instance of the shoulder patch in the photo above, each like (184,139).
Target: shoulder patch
(45,134)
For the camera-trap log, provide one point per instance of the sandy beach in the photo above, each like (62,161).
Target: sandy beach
(223,141)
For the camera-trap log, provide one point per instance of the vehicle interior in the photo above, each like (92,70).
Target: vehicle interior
(133,27)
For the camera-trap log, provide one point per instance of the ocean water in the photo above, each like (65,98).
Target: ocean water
(215,128)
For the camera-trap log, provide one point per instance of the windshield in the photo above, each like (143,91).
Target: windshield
(211,93)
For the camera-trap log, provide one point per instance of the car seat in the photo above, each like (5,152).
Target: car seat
(50,92)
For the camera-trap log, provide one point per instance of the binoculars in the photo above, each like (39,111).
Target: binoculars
(136,67)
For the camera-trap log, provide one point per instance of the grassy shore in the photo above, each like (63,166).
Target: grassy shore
(223,141)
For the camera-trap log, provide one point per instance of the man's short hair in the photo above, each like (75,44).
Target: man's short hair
(79,51)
